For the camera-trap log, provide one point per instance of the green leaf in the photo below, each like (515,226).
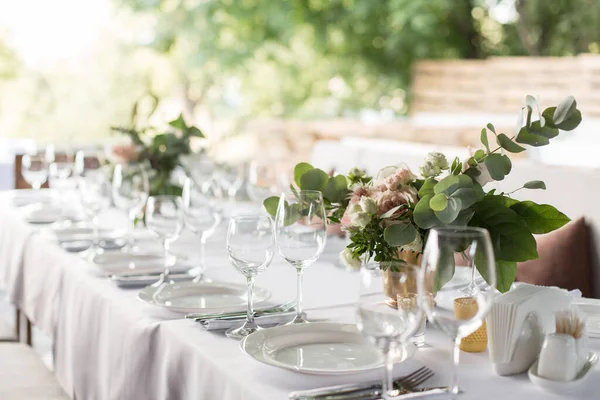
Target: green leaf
(463,217)
(427,188)
(449,214)
(571,123)
(445,268)
(548,116)
(336,189)
(423,215)
(546,131)
(531,138)
(498,166)
(506,273)
(300,169)
(195,132)
(540,218)
(535,185)
(314,179)
(479,155)
(438,202)
(271,204)
(391,212)
(468,196)
(491,128)
(178,123)
(292,214)
(398,235)
(484,139)
(511,237)
(508,145)
(528,119)
(451,183)
(564,110)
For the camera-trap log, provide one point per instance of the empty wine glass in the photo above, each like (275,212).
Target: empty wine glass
(454,313)
(95,196)
(387,327)
(264,180)
(87,161)
(250,249)
(300,234)
(130,191)
(231,178)
(200,216)
(164,217)
(34,170)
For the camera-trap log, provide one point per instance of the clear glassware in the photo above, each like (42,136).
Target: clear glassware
(250,248)
(87,161)
(231,178)
(265,180)
(164,217)
(200,216)
(388,328)
(447,310)
(130,190)
(95,196)
(300,234)
(34,170)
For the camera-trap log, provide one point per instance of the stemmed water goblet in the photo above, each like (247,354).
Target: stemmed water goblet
(388,327)
(130,190)
(264,180)
(201,217)
(300,234)
(164,217)
(250,249)
(34,170)
(231,178)
(456,314)
(95,196)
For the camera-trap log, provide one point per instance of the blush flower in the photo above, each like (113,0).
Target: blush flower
(393,177)
(394,198)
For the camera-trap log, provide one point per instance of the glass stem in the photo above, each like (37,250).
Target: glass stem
(387,384)
(455,361)
(131,238)
(167,273)
(202,254)
(96,232)
(250,312)
(299,293)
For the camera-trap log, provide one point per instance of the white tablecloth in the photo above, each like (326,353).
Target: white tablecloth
(110,345)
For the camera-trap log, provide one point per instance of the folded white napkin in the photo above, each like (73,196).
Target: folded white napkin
(272,319)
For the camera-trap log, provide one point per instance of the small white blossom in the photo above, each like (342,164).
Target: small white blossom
(428,170)
(357,172)
(347,259)
(437,159)
(368,205)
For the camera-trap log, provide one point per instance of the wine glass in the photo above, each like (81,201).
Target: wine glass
(387,327)
(250,249)
(300,234)
(130,191)
(454,313)
(231,178)
(200,216)
(264,180)
(95,195)
(87,161)
(164,217)
(34,170)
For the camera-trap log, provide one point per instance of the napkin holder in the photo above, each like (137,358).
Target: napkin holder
(518,324)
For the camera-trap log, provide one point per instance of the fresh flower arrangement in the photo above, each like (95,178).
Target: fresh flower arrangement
(163,152)
(391,214)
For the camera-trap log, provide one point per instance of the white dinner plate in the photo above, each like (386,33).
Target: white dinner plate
(318,348)
(193,297)
(118,263)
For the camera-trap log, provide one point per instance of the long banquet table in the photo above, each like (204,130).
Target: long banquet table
(110,345)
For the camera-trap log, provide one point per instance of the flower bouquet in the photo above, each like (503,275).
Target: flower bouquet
(389,216)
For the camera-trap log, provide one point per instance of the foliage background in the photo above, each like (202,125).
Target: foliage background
(240,59)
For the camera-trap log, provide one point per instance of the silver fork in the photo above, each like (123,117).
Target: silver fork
(365,391)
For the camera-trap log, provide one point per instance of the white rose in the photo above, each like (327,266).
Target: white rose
(357,172)
(437,159)
(347,259)
(429,170)
(368,205)
(357,216)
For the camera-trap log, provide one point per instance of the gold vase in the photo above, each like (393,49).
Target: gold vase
(393,288)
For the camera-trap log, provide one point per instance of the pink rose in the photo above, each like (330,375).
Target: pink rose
(394,198)
(358,192)
(400,177)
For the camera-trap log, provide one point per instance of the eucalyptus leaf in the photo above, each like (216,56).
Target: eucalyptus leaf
(398,235)
(427,188)
(423,215)
(508,145)
(451,183)
(546,131)
(540,218)
(548,115)
(535,185)
(467,196)
(492,128)
(498,166)
(572,122)
(531,138)
(336,189)
(564,110)
(445,268)
(299,170)
(449,214)
(391,212)
(292,214)
(314,179)
(463,217)
(484,139)
(438,202)
(479,155)
(271,204)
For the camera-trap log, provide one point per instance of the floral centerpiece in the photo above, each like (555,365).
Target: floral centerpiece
(388,216)
(162,151)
